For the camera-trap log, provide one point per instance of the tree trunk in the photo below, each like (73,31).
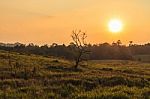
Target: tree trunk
(78,59)
(77,63)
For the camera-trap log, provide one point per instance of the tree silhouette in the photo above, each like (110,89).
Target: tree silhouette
(130,43)
(119,42)
(80,50)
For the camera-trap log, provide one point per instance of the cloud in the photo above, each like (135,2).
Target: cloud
(23,12)
(37,14)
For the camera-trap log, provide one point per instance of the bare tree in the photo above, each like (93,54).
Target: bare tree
(80,48)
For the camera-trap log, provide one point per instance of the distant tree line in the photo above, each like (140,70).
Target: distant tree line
(103,51)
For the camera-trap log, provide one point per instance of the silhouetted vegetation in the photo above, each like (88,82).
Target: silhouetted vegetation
(103,51)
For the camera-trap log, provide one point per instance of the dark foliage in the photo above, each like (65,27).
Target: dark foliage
(98,51)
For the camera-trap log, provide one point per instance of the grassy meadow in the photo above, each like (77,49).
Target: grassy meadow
(37,77)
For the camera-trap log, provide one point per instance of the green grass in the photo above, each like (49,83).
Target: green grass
(142,58)
(37,77)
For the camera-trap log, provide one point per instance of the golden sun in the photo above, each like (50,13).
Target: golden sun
(115,25)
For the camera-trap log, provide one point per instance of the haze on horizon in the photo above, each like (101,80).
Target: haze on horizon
(49,21)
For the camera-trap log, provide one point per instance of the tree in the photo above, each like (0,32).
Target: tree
(80,49)
(130,43)
(119,42)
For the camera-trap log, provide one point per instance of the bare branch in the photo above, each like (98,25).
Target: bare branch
(78,38)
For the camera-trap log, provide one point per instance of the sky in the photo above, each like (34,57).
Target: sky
(52,21)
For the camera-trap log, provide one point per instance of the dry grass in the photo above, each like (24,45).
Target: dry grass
(37,77)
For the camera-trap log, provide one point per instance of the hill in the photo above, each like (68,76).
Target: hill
(36,77)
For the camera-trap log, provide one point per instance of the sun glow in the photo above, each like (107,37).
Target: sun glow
(115,25)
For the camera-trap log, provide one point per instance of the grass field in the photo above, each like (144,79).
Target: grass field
(142,58)
(37,77)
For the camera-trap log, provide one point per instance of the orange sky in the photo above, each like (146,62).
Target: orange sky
(48,21)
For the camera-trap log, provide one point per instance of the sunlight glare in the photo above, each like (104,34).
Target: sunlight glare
(115,25)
